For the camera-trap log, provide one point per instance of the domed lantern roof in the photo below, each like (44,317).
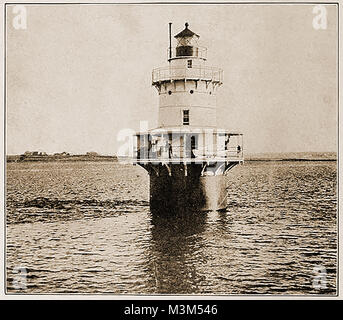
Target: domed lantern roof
(187,37)
(186,33)
(187,43)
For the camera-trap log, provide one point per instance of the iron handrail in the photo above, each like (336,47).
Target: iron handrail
(196,72)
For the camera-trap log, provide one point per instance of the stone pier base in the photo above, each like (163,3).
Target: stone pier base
(179,188)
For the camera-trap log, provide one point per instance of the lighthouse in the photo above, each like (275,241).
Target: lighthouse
(187,156)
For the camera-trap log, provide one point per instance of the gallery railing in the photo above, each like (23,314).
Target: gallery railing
(194,73)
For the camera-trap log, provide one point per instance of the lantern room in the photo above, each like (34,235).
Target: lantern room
(188,45)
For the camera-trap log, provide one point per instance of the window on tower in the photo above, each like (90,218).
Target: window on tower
(186,117)
(189,63)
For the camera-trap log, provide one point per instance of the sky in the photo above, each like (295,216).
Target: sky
(79,74)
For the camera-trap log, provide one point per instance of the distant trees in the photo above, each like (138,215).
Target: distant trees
(92,154)
(34,153)
(62,154)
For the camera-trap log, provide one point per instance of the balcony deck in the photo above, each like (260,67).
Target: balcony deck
(230,155)
(186,146)
(187,160)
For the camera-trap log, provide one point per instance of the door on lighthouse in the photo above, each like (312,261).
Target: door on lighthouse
(193,146)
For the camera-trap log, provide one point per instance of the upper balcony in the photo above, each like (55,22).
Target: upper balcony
(165,74)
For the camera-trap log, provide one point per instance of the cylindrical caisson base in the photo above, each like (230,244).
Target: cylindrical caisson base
(187,192)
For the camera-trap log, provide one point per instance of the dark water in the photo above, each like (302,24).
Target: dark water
(85,227)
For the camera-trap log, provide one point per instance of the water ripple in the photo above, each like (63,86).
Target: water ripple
(86,228)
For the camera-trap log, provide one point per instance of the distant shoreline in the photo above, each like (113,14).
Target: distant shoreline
(95,157)
(51,158)
(115,159)
(291,160)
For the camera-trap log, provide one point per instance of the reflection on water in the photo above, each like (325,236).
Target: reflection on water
(176,241)
(86,228)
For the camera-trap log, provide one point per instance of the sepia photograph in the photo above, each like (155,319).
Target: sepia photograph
(171,149)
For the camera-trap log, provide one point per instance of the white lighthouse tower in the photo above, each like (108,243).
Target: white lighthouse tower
(187,156)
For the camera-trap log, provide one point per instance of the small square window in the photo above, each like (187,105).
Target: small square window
(189,63)
(186,117)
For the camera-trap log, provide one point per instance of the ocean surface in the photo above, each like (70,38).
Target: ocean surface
(85,227)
